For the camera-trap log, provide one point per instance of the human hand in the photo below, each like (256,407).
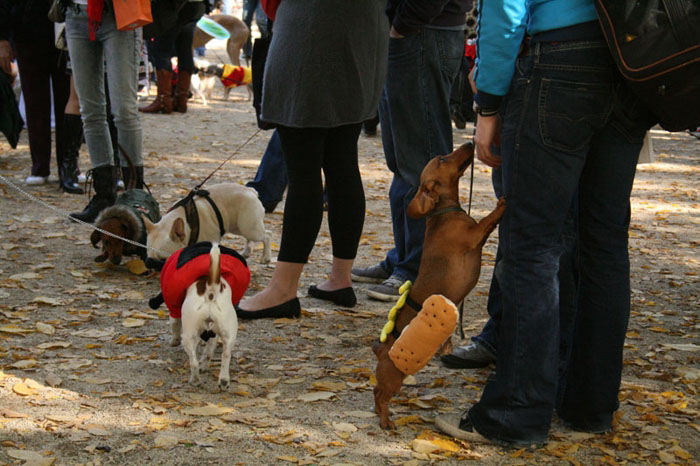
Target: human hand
(488,134)
(472,83)
(395,35)
(6,56)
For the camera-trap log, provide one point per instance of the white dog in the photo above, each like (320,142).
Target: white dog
(206,215)
(207,309)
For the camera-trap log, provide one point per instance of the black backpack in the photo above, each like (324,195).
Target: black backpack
(656,45)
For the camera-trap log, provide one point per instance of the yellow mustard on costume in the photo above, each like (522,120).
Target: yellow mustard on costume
(391,318)
(233,76)
(424,335)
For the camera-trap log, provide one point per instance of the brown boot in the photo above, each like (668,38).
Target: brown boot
(182,91)
(164,99)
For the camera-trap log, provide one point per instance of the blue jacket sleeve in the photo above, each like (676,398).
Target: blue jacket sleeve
(412,14)
(500,31)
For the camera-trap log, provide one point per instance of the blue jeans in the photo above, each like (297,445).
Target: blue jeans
(271,178)
(415,117)
(569,125)
(120,52)
(568,280)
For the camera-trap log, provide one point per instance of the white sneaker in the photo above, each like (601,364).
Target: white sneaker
(35,180)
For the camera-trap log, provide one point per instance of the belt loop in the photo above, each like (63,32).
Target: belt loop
(536,49)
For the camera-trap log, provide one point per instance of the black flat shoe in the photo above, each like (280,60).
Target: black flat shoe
(291,308)
(343,297)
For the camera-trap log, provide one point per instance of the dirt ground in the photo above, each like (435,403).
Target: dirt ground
(87,375)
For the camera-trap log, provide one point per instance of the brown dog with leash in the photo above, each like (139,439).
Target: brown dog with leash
(450,263)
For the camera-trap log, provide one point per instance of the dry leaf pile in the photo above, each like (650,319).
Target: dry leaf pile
(87,375)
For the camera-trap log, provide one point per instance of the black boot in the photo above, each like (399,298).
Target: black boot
(104,181)
(68,165)
(126,176)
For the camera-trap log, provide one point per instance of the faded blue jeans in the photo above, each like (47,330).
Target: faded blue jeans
(414,112)
(119,51)
(569,125)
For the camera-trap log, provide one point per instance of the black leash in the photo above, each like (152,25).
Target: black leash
(250,138)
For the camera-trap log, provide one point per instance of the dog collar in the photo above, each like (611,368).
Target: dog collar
(192,216)
(454,208)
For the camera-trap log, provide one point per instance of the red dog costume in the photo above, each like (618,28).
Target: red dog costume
(191,263)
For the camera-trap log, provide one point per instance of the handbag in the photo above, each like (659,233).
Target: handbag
(656,46)
(57,12)
(132,14)
(59,31)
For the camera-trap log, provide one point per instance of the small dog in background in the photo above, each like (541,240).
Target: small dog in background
(206,75)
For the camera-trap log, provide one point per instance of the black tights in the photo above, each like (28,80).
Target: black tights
(307,151)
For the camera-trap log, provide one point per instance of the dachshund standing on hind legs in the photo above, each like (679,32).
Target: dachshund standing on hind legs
(450,266)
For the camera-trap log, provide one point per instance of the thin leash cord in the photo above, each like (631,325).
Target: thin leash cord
(469,211)
(66,215)
(250,138)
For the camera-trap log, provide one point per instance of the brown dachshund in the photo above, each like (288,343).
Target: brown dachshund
(450,263)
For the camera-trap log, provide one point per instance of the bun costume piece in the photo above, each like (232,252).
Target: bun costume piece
(421,339)
(185,266)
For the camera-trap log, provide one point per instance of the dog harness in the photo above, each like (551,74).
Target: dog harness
(191,215)
(191,263)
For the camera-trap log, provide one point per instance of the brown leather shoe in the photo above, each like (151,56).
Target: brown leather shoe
(164,100)
(182,90)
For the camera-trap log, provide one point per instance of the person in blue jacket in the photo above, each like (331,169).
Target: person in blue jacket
(569,127)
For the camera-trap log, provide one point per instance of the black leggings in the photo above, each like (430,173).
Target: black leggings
(307,151)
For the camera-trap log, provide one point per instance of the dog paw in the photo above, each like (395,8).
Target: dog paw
(224,384)
(175,341)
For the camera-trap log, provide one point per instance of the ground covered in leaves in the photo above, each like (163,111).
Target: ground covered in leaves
(87,375)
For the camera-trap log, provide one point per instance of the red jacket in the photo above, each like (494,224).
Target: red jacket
(187,265)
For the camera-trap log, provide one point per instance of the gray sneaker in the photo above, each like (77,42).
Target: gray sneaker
(388,290)
(373,274)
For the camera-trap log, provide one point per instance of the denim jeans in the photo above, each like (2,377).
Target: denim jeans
(119,51)
(568,285)
(416,126)
(570,128)
(271,178)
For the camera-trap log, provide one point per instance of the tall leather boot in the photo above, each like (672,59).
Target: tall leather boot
(182,90)
(68,164)
(104,182)
(137,182)
(164,99)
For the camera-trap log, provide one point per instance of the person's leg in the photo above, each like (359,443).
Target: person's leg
(159,52)
(190,13)
(543,156)
(34,71)
(590,389)
(346,202)
(60,85)
(249,7)
(303,212)
(420,72)
(72,140)
(271,177)
(122,52)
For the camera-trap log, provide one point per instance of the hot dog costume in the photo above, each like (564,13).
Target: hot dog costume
(191,263)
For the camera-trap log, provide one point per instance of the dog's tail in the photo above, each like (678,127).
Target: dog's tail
(214,277)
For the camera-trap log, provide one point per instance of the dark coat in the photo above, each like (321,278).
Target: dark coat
(408,16)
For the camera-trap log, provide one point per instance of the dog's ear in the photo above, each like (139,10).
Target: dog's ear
(95,238)
(424,200)
(177,232)
(147,223)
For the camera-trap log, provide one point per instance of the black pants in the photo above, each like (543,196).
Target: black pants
(308,151)
(41,69)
